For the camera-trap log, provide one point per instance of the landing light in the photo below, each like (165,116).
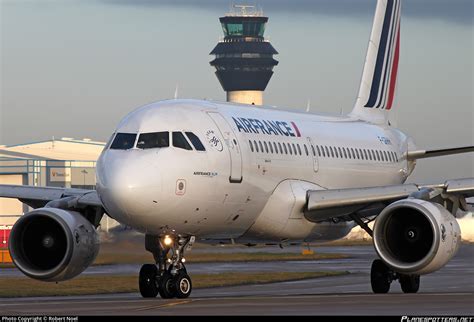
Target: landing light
(182,260)
(168,240)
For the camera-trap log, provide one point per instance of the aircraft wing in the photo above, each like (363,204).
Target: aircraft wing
(362,202)
(37,197)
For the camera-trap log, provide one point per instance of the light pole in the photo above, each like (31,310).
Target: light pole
(84,172)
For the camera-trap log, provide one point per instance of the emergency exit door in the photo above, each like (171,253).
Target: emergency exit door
(313,154)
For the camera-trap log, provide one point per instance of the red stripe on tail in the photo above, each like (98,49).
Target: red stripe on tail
(393,79)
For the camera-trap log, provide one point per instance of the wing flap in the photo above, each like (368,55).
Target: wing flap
(460,186)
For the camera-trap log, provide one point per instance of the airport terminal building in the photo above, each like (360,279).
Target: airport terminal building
(64,162)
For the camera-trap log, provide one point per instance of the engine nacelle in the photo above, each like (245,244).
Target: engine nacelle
(417,237)
(52,244)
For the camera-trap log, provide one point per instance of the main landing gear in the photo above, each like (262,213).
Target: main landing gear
(168,276)
(381,276)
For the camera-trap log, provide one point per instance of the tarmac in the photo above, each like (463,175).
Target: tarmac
(449,291)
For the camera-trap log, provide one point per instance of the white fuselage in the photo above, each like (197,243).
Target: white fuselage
(231,191)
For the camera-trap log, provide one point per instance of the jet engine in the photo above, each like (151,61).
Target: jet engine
(52,244)
(416,237)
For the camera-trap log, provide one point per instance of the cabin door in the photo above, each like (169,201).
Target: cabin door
(232,145)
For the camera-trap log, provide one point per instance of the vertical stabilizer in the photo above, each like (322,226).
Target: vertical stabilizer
(377,88)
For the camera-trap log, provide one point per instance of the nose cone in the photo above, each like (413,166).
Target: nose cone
(124,180)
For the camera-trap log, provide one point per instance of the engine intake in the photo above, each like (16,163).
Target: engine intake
(52,244)
(414,236)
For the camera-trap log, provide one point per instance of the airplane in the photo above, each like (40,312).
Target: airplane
(185,170)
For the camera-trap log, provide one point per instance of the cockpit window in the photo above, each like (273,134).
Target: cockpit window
(153,140)
(180,141)
(123,141)
(195,141)
(109,142)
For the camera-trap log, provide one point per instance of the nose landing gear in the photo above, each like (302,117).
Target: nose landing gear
(168,277)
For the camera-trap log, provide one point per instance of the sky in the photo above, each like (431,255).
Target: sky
(74,68)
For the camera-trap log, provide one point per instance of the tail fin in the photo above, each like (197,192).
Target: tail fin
(379,77)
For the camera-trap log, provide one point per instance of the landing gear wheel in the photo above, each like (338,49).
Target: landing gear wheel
(147,281)
(183,285)
(410,283)
(167,286)
(380,277)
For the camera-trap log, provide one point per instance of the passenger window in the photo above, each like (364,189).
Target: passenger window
(153,140)
(284,147)
(319,151)
(256,145)
(306,150)
(357,153)
(294,149)
(261,146)
(275,147)
(179,141)
(332,151)
(123,141)
(327,151)
(251,145)
(365,154)
(266,146)
(345,152)
(279,148)
(377,154)
(336,153)
(289,149)
(340,152)
(195,141)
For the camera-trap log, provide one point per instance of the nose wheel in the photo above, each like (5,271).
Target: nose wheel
(148,280)
(168,277)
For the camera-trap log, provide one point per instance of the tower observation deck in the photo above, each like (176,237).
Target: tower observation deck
(244,59)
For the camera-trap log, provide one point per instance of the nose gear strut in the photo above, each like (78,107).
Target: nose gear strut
(168,276)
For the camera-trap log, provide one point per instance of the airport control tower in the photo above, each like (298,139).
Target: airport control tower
(244,59)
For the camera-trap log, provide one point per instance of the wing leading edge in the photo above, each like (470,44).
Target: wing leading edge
(37,197)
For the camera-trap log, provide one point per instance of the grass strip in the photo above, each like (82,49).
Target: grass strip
(130,258)
(104,284)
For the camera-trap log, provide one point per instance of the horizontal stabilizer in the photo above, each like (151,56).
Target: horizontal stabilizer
(423,154)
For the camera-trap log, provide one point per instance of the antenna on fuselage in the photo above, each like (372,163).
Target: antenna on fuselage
(308,105)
